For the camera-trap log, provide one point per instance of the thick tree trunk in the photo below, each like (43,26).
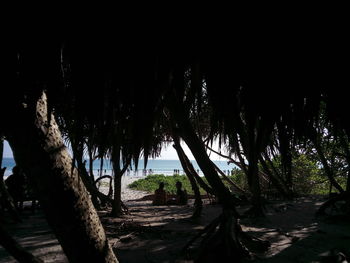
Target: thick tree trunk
(38,148)
(189,170)
(117,202)
(15,249)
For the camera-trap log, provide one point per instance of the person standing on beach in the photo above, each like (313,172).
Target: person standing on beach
(160,195)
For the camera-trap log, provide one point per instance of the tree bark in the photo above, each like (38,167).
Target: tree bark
(38,148)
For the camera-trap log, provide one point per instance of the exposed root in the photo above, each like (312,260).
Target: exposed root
(224,237)
(254,212)
(339,204)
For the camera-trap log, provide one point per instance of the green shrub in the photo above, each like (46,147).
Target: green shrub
(151,182)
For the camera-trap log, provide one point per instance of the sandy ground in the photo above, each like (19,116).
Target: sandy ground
(158,233)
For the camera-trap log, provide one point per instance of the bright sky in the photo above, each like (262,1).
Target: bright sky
(168,153)
(7,150)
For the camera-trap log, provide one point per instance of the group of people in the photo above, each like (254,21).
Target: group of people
(162,198)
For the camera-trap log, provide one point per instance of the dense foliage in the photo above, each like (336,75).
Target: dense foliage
(308,176)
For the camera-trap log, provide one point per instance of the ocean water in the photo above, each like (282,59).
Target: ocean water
(154,166)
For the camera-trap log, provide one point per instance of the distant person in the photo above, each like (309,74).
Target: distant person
(181,196)
(160,195)
(15,184)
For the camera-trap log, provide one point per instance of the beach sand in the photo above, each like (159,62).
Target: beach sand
(127,193)
(158,233)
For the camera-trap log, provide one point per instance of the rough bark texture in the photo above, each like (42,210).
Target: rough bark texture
(38,148)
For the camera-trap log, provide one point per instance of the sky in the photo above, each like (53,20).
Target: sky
(168,153)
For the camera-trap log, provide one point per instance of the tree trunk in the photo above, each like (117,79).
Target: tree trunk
(273,168)
(79,155)
(252,153)
(345,145)
(197,148)
(90,186)
(117,203)
(226,241)
(274,180)
(254,185)
(15,249)
(239,164)
(228,180)
(327,169)
(91,163)
(6,200)
(189,170)
(38,148)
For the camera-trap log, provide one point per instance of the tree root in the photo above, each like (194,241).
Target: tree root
(254,212)
(224,237)
(331,203)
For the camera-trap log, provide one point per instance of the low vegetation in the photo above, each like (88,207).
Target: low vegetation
(151,182)
(308,179)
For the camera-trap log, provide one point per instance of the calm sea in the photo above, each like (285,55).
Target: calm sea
(166,167)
